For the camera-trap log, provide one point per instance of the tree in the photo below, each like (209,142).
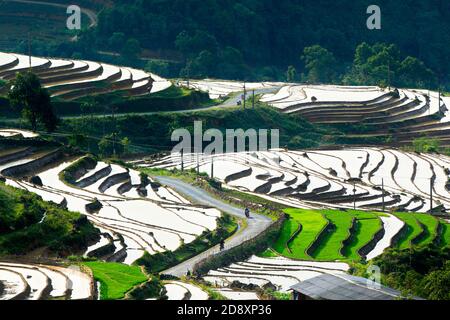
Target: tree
(320,64)
(192,45)
(109,145)
(158,67)
(413,72)
(33,101)
(116,41)
(426,145)
(132,49)
(125,142)
(203,65)
(437,284)
(291,74)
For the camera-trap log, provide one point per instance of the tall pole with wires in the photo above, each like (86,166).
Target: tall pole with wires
(245,94)
(114,131)
(382,190)
(212,166)
(354,196)
(29,51)
(198,164)
(182,159)
(431,195)
(253,99)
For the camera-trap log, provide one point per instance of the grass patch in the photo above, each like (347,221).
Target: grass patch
(413,229)
(312,222)
(116,279)
(431,224)
(27,223)
(290,226)
(367,225)
(414,222)
(445,236)
(329,248)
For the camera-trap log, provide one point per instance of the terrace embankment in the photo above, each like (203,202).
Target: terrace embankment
(364,251)
(34,165)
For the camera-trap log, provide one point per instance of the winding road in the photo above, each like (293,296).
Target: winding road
(255,225)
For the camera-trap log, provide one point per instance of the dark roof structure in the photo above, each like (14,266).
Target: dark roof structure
(344,287)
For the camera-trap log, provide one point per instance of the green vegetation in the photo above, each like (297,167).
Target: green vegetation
(414,229)
(32,101)
(72,173)
(367,225)
(150,289)
(421,271)
(385,65)
(431,225)
(312,222)
(426,145)
(201,40)
(172,99)
(330,246)
(151,133)
(226,226)
(421,230)
(28,223)
(282,295)
(335,239)
(116,279)
(445,235)
(290,226)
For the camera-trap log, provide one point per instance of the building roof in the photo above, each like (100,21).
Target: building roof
(344,287)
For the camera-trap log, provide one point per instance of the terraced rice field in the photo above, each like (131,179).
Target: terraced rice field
(42,282)
(115,279)
(335,178)
(72,79)
(312,223)
(445,238)
(132,216)
(367,225)
(402,114)
(421,230)
(333,242)
(281,272)
(177,290)
(430,226)
(327,235)
(10,133)
(222,88)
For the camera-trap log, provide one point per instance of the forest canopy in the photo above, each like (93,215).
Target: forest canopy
(261,39)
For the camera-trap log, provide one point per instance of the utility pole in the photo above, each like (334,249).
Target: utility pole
(389,75)
(245,94)
(253,99)
(114,131)
(354,196)
(439,91)
(382,188)
(198,165)
(188,66)
(212,166)
(182,159)
(431,195)
(29,50)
